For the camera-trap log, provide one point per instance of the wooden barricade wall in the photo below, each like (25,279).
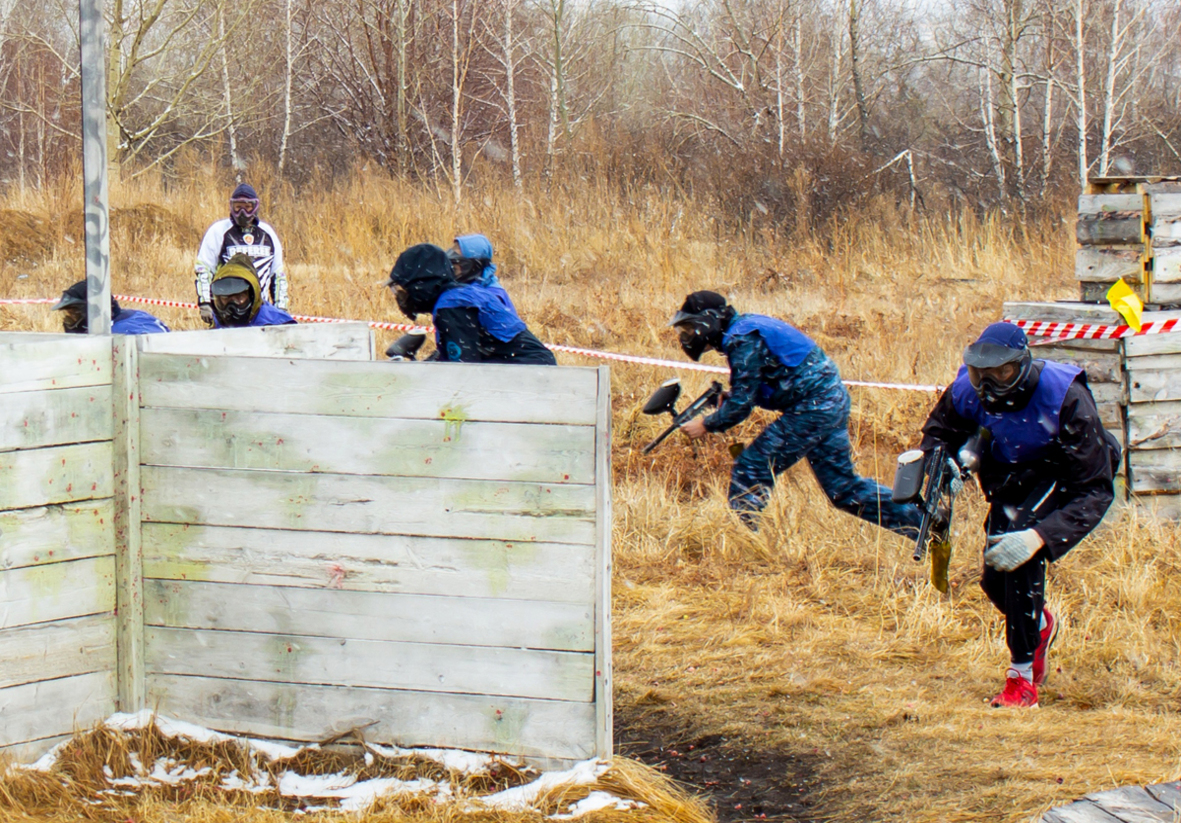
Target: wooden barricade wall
(324,341)
(57,537)
(414,552)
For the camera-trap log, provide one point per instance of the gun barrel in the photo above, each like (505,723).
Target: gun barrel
(935,480)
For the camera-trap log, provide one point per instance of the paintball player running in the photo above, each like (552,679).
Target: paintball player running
(123,321)
(473,324)
(775,366)
(1047,475)
(242,233)
(237,297)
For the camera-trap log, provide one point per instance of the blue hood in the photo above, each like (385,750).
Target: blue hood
(479,247)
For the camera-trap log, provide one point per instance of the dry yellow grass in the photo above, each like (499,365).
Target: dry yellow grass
(816,637)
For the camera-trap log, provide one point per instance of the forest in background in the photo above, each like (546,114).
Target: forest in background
(779,113)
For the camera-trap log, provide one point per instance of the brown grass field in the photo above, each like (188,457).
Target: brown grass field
(806,672)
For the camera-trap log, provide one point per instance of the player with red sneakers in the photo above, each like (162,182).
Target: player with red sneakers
(1047,474)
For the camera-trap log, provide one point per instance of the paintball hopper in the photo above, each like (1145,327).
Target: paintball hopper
(406,346)
(908,477)
(665,398)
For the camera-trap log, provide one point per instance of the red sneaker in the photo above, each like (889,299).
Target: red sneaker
(1049,633)
(1019,693)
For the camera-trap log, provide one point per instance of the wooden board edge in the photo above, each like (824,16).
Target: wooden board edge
(604,710)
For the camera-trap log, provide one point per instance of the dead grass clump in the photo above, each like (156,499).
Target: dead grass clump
(23,237)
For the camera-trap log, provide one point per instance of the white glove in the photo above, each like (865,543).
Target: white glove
(957,480)
(1012,550)
(206,313)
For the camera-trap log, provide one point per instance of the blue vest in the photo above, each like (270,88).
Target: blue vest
(129,321)
(268,315)
(497,315)
(789,345)
(1021,436)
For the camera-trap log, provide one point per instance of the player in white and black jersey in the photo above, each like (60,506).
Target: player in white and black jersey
(242,233)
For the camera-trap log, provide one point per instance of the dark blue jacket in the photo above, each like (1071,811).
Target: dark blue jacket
(477,324)
(773,366)
(267,315)
(130,321)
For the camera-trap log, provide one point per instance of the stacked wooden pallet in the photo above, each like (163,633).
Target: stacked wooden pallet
(1102,360)
(1136,382)
(1130,228)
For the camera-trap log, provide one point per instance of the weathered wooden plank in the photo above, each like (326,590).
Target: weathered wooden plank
(1167,294)
(1101,367)
(1166,266)
(1133,804)
(1105,393)
(31,420)
(38,594)
(369,562)
(51,534)
(538,728)
(1167,793)
(31,362)
(1153,362)
(128,554)
(208,438)
(1153,386)
(61,649)
(1062,312)
(1148,345)
(1155,470)
(1165,221)
(1110,219)
(424,667)
(430,507)
(35,711)
(58,474)
(1081,811)
(1164,506)
(1082,346)
(1100,264)
(471,621)
(604,709)
(1097,292)
(454,392)
(324,341)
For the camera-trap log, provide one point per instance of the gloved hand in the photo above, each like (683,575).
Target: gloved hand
(957,480)
(206,313)
(1012,550)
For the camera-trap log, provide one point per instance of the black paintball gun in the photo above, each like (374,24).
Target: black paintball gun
(665,399)
(935,498)
(406,346)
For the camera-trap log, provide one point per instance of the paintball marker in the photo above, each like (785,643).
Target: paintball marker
(665,399)
(936,499)
(406,346)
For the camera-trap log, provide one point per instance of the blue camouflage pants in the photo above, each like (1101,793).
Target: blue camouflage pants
(818,431)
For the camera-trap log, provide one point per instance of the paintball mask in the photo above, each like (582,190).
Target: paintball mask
(75,314)
(1000,368)
(701,321)
(233,301)
(420,275)
(243,205)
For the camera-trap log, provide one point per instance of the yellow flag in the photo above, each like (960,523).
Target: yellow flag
(1124,300)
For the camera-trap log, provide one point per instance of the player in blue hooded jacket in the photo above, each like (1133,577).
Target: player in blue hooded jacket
(776,367)
(123,321)
(473,323)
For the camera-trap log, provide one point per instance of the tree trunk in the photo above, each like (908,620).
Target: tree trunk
(289,69)
(1080,49)
(1113,51)
(456,153)
(232,130)
(798,70)
(855,67)
(510,93)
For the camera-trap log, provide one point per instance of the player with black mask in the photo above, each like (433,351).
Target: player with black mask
(1047,475)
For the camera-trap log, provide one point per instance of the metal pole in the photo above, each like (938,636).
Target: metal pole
(94,165)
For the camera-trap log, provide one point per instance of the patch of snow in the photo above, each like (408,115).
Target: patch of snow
(597,801)
(521,798)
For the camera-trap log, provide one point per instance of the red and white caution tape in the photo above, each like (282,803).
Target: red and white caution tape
(602,355)
(1091,331)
